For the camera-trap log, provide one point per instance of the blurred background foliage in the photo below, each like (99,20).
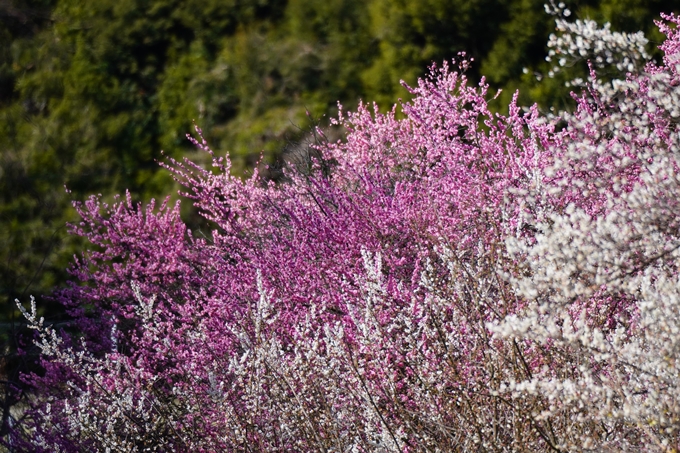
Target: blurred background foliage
(92,91)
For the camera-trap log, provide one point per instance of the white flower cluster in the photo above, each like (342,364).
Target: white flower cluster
(602,279)
(112,402)
(603,48)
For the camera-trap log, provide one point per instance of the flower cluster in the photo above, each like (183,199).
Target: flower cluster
(614,53)
(601,280)
(443,279)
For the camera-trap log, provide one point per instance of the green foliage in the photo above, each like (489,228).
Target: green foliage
(412,34)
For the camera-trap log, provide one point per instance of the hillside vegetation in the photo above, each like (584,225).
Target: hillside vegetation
(92,92)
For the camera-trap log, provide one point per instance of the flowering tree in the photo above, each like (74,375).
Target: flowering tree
(601,281)
(443,279)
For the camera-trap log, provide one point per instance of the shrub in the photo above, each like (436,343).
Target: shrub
(444,279)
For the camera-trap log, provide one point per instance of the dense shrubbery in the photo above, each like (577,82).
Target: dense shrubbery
(90,93)
(449,279)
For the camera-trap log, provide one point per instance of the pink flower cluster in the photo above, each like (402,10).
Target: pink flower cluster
(382,297)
